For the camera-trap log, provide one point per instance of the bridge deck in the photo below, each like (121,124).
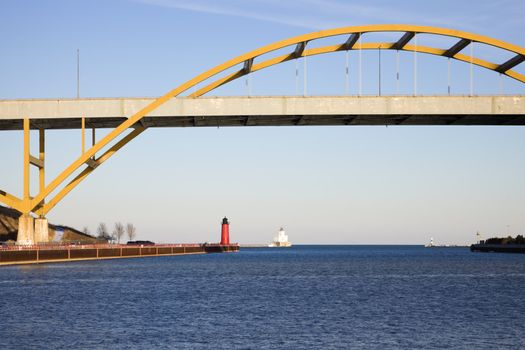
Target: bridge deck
(267,111)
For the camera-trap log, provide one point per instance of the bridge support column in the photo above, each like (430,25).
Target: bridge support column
(41,230)
(26,230)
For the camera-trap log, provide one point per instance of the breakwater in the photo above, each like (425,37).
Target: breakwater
(498,248)
(13,255)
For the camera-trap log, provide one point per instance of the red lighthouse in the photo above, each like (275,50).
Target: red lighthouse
(225,232)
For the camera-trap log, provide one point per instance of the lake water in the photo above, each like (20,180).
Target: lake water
(321,297)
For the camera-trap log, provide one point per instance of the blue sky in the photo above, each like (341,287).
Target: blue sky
(323,184)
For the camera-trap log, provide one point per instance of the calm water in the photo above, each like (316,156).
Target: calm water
(329,297)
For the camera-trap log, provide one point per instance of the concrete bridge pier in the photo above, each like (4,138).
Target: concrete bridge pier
(41,230)
(31,230)
(26,230)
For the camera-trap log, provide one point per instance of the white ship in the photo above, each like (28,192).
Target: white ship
(281,240)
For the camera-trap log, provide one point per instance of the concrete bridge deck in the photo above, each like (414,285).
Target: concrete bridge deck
(267,111)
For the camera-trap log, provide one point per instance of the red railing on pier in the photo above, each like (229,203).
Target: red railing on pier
(59,246)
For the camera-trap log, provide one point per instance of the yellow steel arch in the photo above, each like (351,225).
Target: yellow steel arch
(351,44)
(88,159)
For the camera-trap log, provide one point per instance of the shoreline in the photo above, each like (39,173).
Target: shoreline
(498,248)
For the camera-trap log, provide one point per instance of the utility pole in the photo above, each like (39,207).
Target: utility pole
(78,73)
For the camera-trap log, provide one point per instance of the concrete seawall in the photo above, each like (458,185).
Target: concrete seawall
(498,248)
(41,254)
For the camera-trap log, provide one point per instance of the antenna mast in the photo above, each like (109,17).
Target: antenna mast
(78,73)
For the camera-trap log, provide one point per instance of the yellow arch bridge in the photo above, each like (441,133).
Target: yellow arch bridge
(128,118)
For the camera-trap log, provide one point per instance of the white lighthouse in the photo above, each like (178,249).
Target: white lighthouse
(281,240)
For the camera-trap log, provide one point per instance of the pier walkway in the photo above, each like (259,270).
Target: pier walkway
(37,254)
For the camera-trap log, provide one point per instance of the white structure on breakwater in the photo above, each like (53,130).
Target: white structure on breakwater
(281,240)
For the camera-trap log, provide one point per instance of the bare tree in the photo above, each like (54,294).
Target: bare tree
(118,232)
(131,230)
(86,231)
(102,231)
